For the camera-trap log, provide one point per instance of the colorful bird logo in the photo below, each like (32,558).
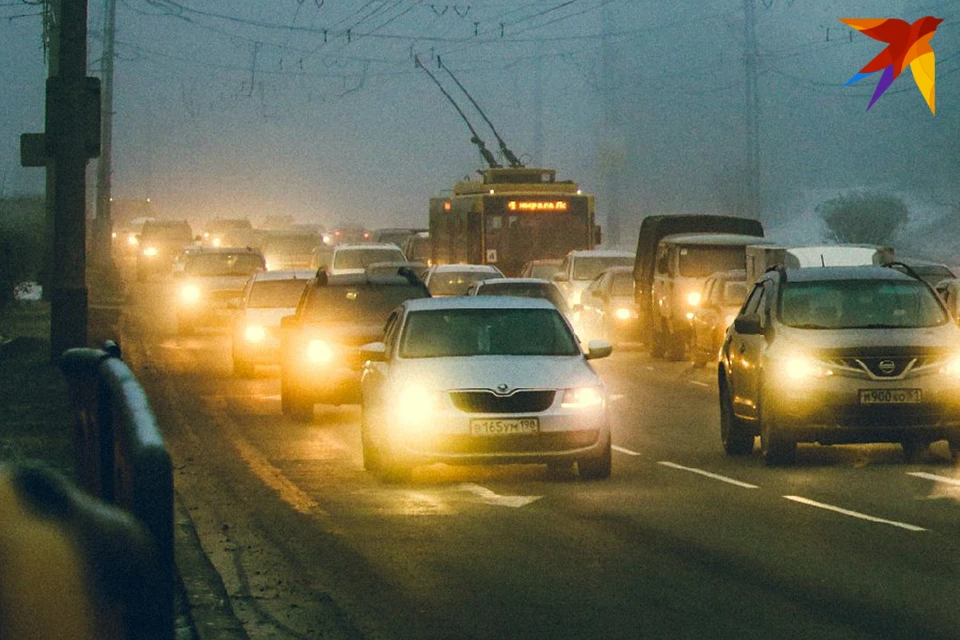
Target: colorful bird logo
(906,44)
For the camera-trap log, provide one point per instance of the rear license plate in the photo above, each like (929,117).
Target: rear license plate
(505,427)
(889,396)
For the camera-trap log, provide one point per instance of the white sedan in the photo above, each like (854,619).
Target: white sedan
(482,380)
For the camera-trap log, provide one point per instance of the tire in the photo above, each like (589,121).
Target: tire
(371,455)
(776,446)
(293,405)
(657,342)
(243,368)
(596,467)
(700,357)
(954,445)
(676,346)
(736,438)
(913,450)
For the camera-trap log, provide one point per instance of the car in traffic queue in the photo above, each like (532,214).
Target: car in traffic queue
(209,278)
(544,268)
(579,268)
(159,244)
(345,258)
(608,307)
(483,380)
(320,361)
(267,297)
(839,355)
(456,279)
(524,288)
(215,230)
(723,295)
(285,249)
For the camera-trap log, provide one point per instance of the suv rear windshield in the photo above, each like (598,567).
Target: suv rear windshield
(486,332)
(223,264)
(545,291)
(860,304)
(700,262)
(361,303)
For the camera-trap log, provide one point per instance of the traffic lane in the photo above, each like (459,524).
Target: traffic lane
(675,418)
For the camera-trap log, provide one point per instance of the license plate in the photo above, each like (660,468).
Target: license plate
(889,396)
(505,427)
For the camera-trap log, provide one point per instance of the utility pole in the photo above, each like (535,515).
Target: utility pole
(102,224)
(538,90)
(751,111)
(612,147)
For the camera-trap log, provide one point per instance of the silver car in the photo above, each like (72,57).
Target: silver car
(840,355)
(482,380)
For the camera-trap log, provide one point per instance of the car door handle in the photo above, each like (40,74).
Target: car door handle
(743,348)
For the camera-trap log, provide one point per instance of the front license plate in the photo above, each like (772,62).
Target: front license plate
(889,396)
(505,427)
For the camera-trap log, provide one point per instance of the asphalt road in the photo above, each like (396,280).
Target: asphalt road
(681,541)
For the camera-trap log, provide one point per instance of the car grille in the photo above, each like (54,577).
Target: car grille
(884,363)
(489,402)
(543,442)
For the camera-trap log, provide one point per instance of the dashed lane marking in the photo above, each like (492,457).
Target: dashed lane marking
(855,514)
(935,478)
(713,476)
(489,497)
(626,451)
(274,478)
(617,396)
(700,384)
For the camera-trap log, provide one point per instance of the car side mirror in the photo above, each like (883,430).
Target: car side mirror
(374,351)
(748,325)
(288,322)
(597,349)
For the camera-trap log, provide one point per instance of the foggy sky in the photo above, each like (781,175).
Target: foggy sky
(217,116)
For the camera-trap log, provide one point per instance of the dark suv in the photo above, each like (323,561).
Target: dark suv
(840,355)
(320,358)
(208,279)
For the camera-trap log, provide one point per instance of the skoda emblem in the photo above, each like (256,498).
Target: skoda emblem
(887,366)
(502,388)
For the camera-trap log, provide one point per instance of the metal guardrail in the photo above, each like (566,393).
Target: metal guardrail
(121,457)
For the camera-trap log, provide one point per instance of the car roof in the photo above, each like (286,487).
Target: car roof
(618,270)
(227,250)
(464,267)
(506,282)
(366,245)
(544,261)
(734,239)
(479,302)
(862,272)
(357,279)
(600,253)
(284,274)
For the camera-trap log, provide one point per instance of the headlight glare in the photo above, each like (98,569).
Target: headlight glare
(693,298)
(319,351)
(255,333)
(951,367)
(150,252)
(799,367)
(582,398)
(625,314)
(190,293)
(415,405)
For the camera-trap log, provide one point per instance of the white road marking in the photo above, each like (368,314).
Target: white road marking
(714,476)
(626,451)
(489,497)
(855,514)
(935,478)
(650,369)
(617,396)
(701,384)
(274,396)
(274,478)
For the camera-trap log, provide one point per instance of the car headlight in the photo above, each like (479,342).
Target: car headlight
(415,405)
(190,293)
(132,240)
(951,367)
(319,352)
(216,242)
(255,333)
(800,367)
(624,313)
(582,398)
(693,298)
(150,252)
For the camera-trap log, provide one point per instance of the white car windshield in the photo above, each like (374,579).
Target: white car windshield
(486,332)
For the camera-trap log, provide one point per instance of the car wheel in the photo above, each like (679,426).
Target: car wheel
(775,445)
(657,342)
(954,445)
(736,438)
(596,467)
(242,368)
(700,356)
(913,450)
(293,405)
(371,456)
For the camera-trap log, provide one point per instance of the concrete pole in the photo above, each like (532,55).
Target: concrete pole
(51,34)
(103,223)
(66,139)
(751,110)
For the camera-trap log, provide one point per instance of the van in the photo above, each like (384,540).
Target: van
(683,264)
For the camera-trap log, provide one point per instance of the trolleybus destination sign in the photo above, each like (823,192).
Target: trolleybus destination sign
(537,205)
